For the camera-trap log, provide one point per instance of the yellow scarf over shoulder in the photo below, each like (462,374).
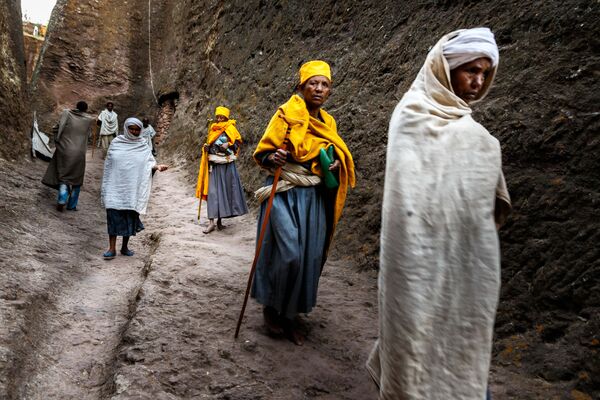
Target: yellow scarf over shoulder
(215,130)
(308,135)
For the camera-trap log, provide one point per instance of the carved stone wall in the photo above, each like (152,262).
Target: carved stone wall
(14,113)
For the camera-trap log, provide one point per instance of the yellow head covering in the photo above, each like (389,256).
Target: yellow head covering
(224,111)
(314,68)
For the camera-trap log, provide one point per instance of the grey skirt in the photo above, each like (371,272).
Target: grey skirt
(225,193)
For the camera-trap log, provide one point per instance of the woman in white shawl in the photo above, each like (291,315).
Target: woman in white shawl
(444,198)
(126,185)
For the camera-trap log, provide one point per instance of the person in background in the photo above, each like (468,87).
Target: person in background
(67,167)
(126,185)
(444,198)
(109,126)
(148,134)
(218,178)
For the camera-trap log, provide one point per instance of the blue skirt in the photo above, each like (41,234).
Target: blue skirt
(123,222)
(292,254)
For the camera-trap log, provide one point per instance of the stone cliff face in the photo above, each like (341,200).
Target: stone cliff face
(95,51)
(14,114)
(245,54)
(542,108)
(33,47)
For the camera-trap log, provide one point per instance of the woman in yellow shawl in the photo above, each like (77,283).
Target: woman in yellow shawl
(305,211)
(218,179)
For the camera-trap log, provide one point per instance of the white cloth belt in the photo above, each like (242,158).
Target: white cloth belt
(217,159)
(292,175)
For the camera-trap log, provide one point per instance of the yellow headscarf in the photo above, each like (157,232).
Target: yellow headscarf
(314,68)
(224,111)
(307,136)
(215,130)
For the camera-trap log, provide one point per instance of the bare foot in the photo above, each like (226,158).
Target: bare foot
(210,228)
(272,321)
(293,333)
(297,338)
(221,227)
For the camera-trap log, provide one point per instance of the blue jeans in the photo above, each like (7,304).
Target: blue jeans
(68,193)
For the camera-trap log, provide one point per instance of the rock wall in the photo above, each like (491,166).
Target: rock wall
(13,83)
(33,48)
(245,54)
(33,40)
(95,51)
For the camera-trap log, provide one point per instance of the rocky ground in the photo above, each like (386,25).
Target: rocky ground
(160,325)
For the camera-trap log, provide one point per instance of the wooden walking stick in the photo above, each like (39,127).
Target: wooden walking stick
(263,227)
(208,123)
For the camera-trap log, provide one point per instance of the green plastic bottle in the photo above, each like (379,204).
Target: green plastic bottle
(326,159)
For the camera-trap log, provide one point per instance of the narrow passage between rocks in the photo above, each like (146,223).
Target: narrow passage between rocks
(160,324)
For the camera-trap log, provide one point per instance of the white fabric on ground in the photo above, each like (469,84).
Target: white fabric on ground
(110,123)
(439,275)
(39,141)
(127,176)
(469,45)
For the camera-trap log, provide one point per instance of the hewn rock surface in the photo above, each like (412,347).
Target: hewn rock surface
(543,108)
(33,47)
(13,82)
(94,51)
(245,54)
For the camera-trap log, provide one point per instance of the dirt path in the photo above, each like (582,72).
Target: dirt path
(159,325)
(65,308)
(180,343)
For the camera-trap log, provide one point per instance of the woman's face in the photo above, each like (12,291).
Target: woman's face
(468,79)
(315,91)
(134,130)
(221,118)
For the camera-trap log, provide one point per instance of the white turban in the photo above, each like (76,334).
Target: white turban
(129,122)
(470,45)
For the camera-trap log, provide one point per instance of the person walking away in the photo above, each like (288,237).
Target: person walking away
(67,166)
(218,178)
(305,212)
(444,198)
(109,126)
(148,134)
(126,185)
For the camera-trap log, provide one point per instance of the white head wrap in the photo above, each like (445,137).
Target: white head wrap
(129,122)
(470,45)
